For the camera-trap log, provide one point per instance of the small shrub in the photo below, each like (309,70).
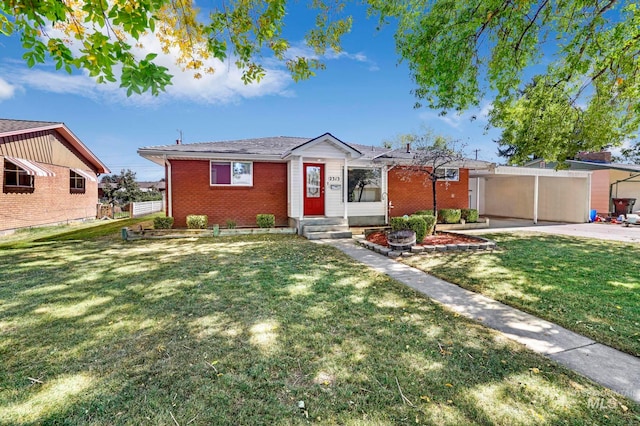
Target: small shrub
(398,223)
(266,220)
(197,221)
(424,213)
(429,219)
(419,225)
(231,224)
(469,215)
(449,216)
(163,222)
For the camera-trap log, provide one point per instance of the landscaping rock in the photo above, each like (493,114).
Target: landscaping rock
(394,254)
(441,248)
(417,249)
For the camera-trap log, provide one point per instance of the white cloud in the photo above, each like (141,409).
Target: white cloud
(225,85)
(302,50)
(6,90)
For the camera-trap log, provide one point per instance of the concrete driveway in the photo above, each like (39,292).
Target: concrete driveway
(603,231)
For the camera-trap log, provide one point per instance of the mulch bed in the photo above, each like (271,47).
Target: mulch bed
(440,238)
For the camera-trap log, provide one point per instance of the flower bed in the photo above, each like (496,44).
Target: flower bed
(440,242)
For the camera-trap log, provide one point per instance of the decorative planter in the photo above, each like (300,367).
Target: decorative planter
(401,240)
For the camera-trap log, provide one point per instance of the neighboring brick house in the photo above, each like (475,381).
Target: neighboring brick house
(297,178)
(48,175)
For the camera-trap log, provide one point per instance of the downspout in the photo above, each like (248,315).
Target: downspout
(169,189)
(478,194)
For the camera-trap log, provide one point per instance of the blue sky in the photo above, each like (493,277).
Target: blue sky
(362,97)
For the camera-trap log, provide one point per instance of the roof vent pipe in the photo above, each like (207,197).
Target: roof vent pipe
(408,148)
(178,142)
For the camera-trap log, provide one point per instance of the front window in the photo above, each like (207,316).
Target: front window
(77,183)
(365,185)
(232,173)
(448,174)
(16,179)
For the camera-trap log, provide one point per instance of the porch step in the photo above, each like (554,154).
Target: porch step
(327,235)
(325,228)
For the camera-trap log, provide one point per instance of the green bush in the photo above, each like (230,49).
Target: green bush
(163,222)
(413,223)
(399,223)
(424,213)
(266,220)
(419,225)
(231,224)
(430,221)
(197,221)
(469,215)
(449,215)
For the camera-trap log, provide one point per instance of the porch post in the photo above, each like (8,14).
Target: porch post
(345,195)
(302,189)
(535,199)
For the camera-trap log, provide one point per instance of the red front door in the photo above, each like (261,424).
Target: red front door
(313,189)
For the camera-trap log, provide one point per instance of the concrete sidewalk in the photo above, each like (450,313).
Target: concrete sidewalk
(609,367)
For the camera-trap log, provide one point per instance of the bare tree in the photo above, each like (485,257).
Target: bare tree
(432,157)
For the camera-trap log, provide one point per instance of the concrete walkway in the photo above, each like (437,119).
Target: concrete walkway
(602,364)
(602,231)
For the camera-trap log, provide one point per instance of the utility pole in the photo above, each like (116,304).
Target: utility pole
(476,151)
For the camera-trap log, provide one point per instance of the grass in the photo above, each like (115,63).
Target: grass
(75,231)
(243,330)
(586,285)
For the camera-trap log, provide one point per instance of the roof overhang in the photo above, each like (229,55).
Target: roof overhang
(160,157)
(347,149)
(509,171)
(61,128)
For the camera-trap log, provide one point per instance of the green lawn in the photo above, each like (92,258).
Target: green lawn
(242,330)
(74,231)
(586,285)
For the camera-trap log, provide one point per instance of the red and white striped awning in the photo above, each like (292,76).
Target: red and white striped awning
(31,167)
(88,176)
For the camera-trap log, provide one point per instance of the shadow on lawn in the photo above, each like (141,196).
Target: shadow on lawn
(586,285)
(238,330)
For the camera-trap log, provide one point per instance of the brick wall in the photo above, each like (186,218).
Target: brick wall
(49,203)
(192,194)
(409,193)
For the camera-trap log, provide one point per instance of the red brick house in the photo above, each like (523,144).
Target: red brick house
(297,179)
(48,175)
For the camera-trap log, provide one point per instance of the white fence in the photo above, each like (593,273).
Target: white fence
(145,207)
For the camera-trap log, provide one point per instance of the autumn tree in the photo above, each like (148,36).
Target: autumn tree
(428,157)
(104,37)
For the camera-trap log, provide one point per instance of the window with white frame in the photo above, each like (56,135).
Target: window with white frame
(450,174)
(77,183)
(364,184)
(239,173)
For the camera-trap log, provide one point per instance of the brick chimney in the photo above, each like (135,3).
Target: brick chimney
(595,157)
